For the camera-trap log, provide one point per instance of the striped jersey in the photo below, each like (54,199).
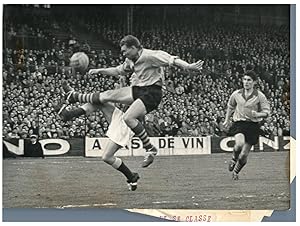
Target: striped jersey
(148,69)
(243,106)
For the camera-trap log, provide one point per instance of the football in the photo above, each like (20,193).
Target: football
(79,61)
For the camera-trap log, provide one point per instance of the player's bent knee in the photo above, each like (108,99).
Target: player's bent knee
(239,145)
(126,118)
(129,120)
(107,158)
(239,140)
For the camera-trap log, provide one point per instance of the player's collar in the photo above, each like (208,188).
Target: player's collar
(139,53)
(254,93)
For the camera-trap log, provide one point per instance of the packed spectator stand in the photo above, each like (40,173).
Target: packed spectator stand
(194,104)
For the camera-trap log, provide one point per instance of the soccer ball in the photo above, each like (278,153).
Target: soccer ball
(79,61)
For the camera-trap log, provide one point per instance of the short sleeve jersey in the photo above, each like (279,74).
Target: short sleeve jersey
(243,106)
(148,69)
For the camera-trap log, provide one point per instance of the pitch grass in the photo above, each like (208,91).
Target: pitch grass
(171,182)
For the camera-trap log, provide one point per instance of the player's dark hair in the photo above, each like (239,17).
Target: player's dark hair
(130,40)
(251,74)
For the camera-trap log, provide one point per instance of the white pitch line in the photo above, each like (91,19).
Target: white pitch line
(86,205)
(51,162)
(159,202)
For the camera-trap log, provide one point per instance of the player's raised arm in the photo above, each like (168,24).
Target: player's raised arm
(162,58)
(123,69)
(197,66)
(112,71)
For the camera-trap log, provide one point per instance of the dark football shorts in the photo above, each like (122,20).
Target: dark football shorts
(150,95)
(250,130)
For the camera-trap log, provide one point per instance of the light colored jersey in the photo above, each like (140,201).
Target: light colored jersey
(257,101)
(118,131)
(147,70)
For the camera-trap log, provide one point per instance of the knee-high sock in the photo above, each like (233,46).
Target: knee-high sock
(239,165)
(140,132)
(119,165)
(93,98)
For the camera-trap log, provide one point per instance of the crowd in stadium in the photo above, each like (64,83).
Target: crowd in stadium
(194,104)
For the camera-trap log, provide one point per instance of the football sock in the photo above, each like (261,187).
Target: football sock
(96,98)
(238,167)
(119,165)
(140,132)
(233,159)
(93,98)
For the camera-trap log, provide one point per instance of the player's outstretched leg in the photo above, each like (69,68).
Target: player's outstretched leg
(69,114)
(72,96)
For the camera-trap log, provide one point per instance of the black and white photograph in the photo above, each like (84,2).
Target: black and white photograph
(147,107)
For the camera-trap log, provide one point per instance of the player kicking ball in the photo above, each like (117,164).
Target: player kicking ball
(119,135)
(144,66)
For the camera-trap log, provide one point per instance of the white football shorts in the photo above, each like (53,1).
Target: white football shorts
(118,131)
